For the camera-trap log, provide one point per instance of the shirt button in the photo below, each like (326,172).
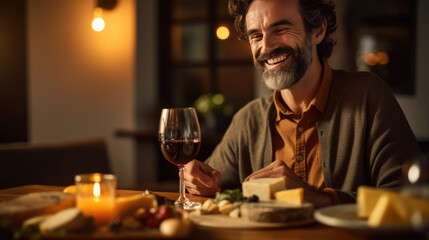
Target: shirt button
(299,158)
(300,129)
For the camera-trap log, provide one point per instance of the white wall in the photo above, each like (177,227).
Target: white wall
(81,82)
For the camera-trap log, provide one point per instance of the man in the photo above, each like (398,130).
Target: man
(324,130)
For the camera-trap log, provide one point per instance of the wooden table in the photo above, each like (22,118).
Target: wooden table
(311,232)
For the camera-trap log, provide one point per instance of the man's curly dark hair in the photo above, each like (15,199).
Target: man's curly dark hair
(313,12)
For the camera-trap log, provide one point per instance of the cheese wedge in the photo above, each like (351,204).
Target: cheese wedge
(70,219)
(390,210)
(35,204)
(368,206)
(291,195)
(367,197)
(264,188)
(70,189)
(126,206)
(35,221)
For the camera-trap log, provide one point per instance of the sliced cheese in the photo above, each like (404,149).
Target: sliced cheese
(70,219)
(126,206)
(34,221)
(264,188)
(394,204)
(70,189)
(367,197)
(35,204)
(291,195)
(389,210)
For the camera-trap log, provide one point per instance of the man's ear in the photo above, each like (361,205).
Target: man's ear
(319,33)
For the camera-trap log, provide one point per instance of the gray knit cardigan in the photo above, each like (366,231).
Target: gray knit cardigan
(364,137)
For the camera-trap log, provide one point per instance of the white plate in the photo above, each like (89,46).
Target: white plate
(224,221)
(345,216)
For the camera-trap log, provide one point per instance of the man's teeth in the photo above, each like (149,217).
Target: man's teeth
(276,60)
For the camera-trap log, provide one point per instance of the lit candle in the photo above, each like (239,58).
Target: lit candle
(95,196)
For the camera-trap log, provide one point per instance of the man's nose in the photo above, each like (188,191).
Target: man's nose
(268,44)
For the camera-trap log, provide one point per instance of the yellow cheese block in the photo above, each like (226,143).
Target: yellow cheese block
(73,188)
(390,210)
(369,206)
(70,189)
(367,197)
(127,206)
(291,195)
(264,188)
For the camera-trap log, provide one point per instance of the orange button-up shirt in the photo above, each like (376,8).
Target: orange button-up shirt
(296,141)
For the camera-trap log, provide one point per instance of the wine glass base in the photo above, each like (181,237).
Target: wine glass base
(187,205)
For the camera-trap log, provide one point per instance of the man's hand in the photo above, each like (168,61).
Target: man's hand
(201,179)
(279,169)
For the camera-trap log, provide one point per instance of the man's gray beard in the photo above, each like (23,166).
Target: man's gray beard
(279,79)
(283,78)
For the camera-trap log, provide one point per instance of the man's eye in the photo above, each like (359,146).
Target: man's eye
(255,36)
(281,30)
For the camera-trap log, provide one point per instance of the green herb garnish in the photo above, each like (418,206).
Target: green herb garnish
(234,195)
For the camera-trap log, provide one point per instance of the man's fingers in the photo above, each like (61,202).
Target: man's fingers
(201,190)
(216,175)
(265,174)
(276,169)
(204,174)
(261,172)
(207,169)
(201,179)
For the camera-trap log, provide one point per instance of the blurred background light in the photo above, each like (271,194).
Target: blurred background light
(222,32)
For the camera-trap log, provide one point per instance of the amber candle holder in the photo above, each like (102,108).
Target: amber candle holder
(96,195)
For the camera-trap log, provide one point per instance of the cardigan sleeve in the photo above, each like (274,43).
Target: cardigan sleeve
(246,145)
(224,158)
(390,142)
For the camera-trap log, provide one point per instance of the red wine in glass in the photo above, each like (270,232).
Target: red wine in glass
(179,137)
(180,152)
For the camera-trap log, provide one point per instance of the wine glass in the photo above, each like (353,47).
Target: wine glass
(180,138)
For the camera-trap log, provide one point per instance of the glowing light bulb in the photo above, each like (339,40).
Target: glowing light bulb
(98,24)
(222,32)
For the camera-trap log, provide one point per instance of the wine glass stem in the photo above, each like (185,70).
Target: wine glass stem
(182,183)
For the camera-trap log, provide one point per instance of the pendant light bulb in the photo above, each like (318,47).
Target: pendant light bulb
(98,22)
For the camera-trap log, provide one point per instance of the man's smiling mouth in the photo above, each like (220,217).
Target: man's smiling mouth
(276,60)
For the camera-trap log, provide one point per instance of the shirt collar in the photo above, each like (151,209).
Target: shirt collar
(319,100)
(322,95)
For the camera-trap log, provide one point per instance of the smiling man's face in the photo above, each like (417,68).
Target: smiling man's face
(281,49)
